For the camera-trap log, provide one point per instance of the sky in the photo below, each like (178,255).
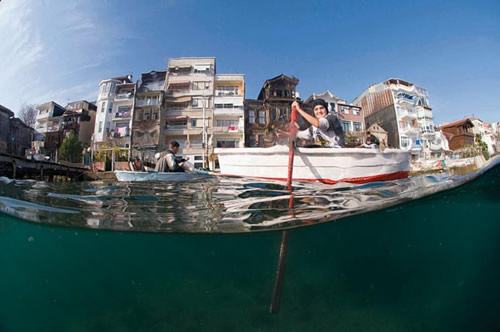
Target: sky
(60,50)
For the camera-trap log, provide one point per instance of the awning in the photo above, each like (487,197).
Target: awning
(204,67)
(179,117)
(178,83)
(179,67)
(178,100)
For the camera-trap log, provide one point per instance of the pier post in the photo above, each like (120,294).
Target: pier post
(14,168)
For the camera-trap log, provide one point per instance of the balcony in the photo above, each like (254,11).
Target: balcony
(128,95)
(238,111)
(228,130)
(122,115)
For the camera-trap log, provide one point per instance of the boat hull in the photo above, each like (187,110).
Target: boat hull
(327,165)
(130,176)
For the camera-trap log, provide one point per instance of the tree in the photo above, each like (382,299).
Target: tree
(71,149)
(27,114)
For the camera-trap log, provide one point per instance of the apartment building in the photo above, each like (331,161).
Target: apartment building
(229,117)
(114,112)
(47,137)
(15,135)
(403,109)
(80,117)
(189,102)
(148,114)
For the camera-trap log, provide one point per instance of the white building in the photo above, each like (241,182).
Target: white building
(114,111)
(403,109)
(229,123)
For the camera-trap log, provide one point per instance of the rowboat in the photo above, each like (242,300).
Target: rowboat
(132,176)
(326,165)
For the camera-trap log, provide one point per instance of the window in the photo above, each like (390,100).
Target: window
(282,114)
(110,108)
(226,123)
(251,116)
(138,115)
(154,115)
(273,114)
(356,111)
(196,143)
(262,117)
(345,110)
(405,141)
(198,102)
(100,126)
(227,90)
(226,143)
(201,85)
(346,125)
(196,123)
(103,106)
(204,69)
(332,107)
(251,141)
(357,126)
(147,114)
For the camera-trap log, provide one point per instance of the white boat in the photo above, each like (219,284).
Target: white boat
(132,176)
(327,165)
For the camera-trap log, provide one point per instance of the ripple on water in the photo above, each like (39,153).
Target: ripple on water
(213,205)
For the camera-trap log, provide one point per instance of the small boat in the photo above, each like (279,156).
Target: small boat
(327,165)
(133,176)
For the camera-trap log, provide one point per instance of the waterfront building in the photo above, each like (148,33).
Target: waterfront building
(79,117)
(459,133)
(350,116)
(189,100)
(47,137)
(403,109)
(229,119)
(15,135)
(270,111)
(114,112)
(148,116)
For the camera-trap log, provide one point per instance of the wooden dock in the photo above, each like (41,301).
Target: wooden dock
(16,167)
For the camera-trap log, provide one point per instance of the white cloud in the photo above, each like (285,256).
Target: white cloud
(54,50)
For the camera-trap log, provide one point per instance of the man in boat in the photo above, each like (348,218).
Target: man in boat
(171,163)
(325,128)
(371,141)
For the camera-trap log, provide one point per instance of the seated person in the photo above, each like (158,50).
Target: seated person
(371,141)
(171,163)
(325,128)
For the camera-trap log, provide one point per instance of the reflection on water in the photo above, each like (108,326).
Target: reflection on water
(214,205)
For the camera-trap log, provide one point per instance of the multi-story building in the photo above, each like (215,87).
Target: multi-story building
(229,119)
(148,116)
(114,112)
(401,108)
(80,118)
(47,137)
(459,133)
(15,135)
(350,116)
(189,100)
(270,111)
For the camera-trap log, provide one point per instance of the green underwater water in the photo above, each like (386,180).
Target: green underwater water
(426,265)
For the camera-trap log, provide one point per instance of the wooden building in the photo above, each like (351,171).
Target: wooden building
(459,133)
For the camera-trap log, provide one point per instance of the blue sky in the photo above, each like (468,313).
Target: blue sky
(59,50)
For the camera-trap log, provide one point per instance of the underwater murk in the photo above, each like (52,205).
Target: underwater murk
(416,254)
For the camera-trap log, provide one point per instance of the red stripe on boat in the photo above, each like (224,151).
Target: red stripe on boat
(360,180)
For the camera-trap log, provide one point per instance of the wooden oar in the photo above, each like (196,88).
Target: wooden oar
(280,273)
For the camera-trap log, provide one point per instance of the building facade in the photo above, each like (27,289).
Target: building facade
(114,112)
(459,133)
(229,117)
(189,101)
(403,109)
(15,135)
(148,116)
(270,111)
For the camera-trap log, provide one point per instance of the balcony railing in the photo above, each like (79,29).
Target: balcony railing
(122,115)
(226,129)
